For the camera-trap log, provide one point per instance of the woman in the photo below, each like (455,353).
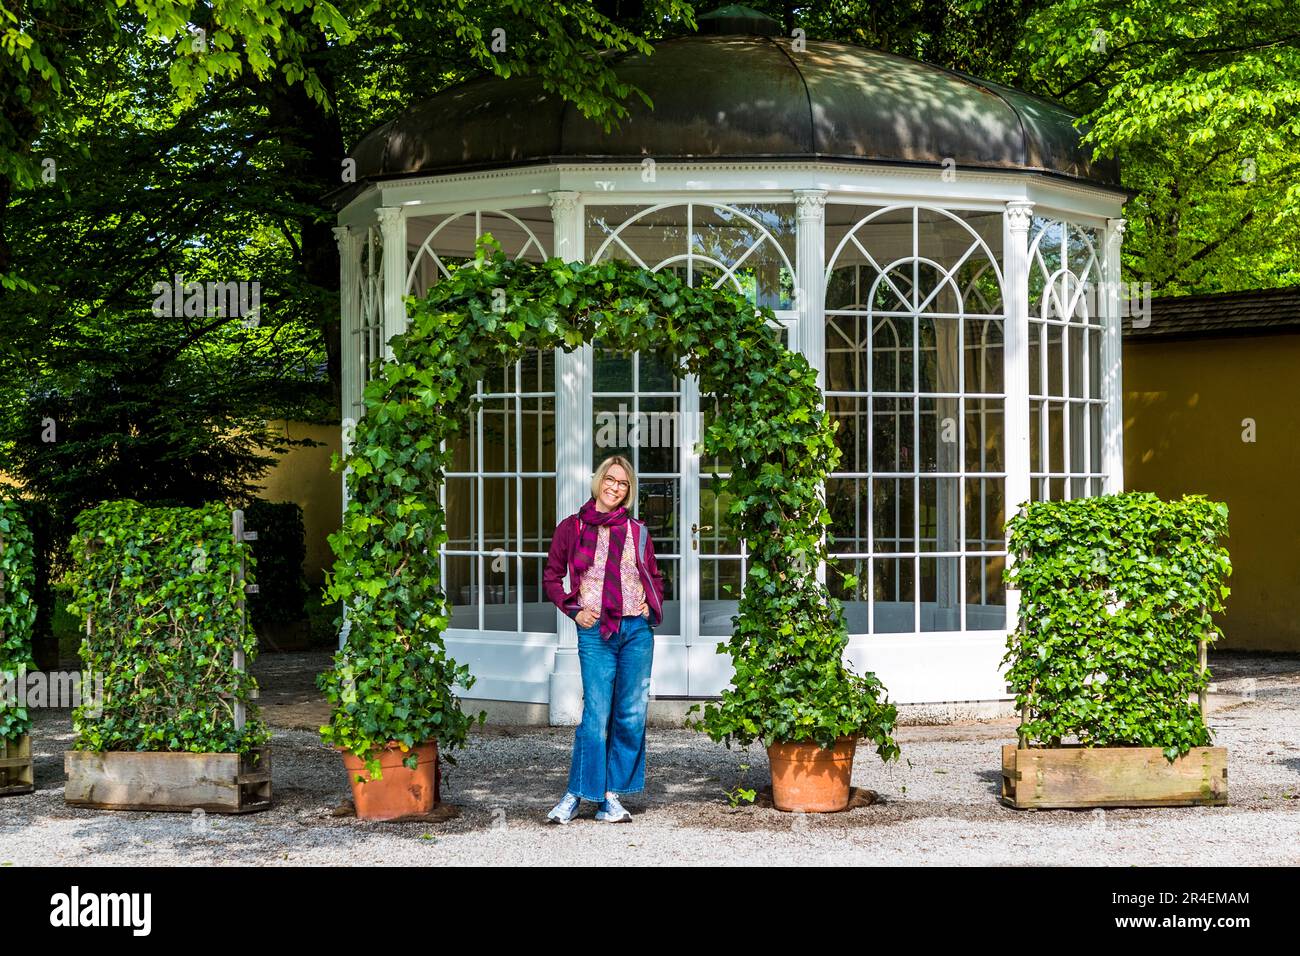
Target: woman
(616,596)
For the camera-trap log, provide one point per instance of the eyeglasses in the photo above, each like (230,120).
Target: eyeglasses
(615,483)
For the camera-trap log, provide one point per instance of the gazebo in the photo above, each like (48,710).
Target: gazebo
(939,247)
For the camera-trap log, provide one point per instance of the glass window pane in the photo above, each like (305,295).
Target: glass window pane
(846,368)
(895,596)
(461,592)
(940,434)
(986,596)
(1078,357)
(714,522)
(613,372)
(984,434)
(538,498)
(720,589)
(657,435)
(983,344)
(853,598)
(658,505)
(892,434)
(846,500)
(850,415)
(938,353)
(940,594)
(1094,426)
(984,514)
(1094,364)
(894,513)
(939,514)
(1055,365)
(539,613)
(891,355)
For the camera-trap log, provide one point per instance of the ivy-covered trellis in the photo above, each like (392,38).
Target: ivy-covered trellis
(392,681)
(17,614)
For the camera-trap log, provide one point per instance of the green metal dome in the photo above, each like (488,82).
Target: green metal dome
(738,91)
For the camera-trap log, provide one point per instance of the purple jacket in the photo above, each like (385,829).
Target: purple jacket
(564,547)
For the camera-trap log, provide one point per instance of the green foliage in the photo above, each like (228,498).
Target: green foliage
(279,552)
(393,680)
(17,611)
(161,589)
(1198,99)
(1116,592)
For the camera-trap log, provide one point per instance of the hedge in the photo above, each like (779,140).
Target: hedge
(17,613)
(1116,592)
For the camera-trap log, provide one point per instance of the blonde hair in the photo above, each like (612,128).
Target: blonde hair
(599,477)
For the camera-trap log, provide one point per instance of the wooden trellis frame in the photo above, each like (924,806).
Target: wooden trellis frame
(215,783)
(1042,778)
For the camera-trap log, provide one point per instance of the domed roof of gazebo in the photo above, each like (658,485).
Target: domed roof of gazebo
(738,91)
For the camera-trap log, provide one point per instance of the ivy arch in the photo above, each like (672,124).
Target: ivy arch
(392,680)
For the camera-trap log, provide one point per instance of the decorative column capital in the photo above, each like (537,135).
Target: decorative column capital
(390,217)
(809,203)
(1020,215)
(1116,227)
(343,236)
(564,201)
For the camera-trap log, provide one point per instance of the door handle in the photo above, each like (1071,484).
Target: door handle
(695,534)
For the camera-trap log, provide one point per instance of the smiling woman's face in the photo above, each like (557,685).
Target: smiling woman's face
(613,488)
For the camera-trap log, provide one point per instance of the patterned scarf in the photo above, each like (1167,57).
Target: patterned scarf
(611,601)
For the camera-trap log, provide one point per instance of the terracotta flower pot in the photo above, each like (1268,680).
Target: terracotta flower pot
(400,792)
(809,779)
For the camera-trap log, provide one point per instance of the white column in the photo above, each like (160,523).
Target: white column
(392,225)
(572,457)
(810,267)
(349,244)
(1112,379)
(1019,216)
(810,287)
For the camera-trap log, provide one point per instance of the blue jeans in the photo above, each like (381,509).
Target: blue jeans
(609,746)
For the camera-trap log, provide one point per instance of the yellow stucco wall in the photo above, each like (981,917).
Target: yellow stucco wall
(303,475)
(1184,404)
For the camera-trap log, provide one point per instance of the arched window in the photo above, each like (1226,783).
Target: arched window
(914,376)
(1065,332)
(500,490)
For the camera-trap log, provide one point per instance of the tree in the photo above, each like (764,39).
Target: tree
(197,140)
(1201,101)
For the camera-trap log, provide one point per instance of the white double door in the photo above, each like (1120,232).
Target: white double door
(641,411)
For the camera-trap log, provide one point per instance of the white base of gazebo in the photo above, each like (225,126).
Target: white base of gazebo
(531,679)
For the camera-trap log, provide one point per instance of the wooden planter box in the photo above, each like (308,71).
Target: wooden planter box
(125,780)
(1073,776)
(16,767)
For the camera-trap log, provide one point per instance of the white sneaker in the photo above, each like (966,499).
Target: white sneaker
(614,812)
(565,810)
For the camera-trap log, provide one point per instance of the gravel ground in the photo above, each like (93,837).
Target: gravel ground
(937,805)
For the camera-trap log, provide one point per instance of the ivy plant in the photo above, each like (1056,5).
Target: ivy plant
(393,680)
(17,614)
(1116,592)
(161,591)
